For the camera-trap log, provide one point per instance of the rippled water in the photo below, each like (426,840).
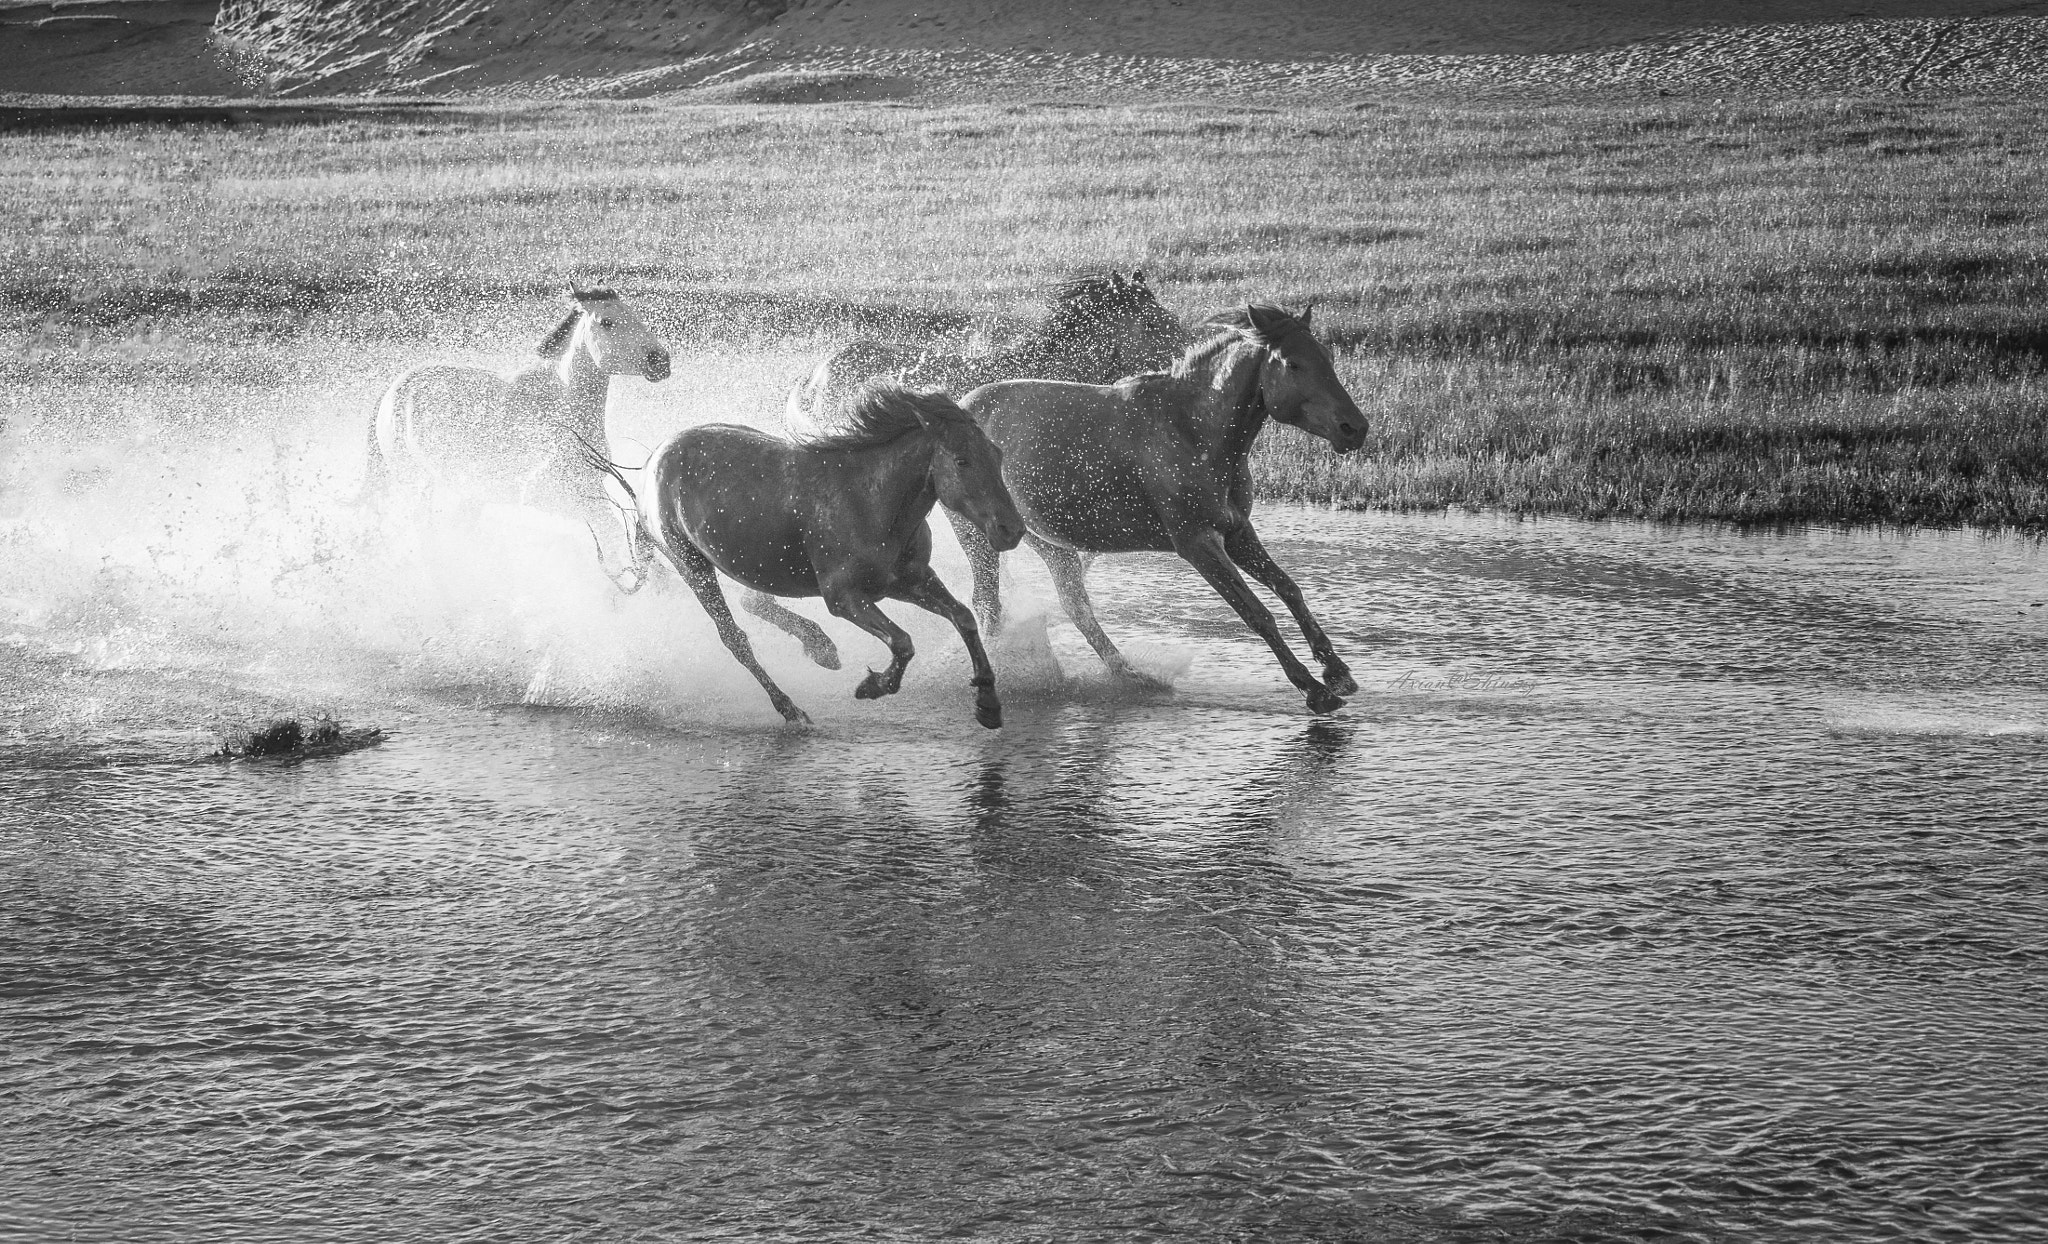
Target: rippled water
(1659,883)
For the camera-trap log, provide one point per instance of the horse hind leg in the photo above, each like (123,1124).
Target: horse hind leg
(1067,579)
(868,616)
(698,572)
(931,595)
(987,567)
(818,646)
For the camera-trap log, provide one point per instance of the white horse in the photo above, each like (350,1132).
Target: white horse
(447,431)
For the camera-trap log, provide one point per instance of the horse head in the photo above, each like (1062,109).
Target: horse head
(1297,378)
(967,471)
(617,340)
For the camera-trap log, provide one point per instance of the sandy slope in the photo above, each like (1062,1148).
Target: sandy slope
(144,47)
(959,47)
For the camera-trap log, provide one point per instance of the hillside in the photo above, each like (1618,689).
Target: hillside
(1170,47)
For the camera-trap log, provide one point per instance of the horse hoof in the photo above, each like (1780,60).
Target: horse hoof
(870,687)
(1143,682)
(825,656)
(1320,701)
(1340,683)
(792,714)
(988,710)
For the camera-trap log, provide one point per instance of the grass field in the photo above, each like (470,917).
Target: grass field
(1753,311)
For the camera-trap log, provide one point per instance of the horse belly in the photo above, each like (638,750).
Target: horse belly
(1077,488)
(462,427)
(1095,516)
(767,561)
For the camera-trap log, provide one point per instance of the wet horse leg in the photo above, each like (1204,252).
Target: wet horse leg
(818,646)
(1204,550)
(931,596)
(1250,554)
(865,614)
(983,560)
(1067,580)
(698,572)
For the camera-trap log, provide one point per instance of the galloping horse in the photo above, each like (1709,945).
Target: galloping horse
(843,517)
(468,430)
(1100,327)
(1156,463)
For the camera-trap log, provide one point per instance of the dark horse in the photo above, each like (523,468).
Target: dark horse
(1156,463)
(1100,327)
(843,517)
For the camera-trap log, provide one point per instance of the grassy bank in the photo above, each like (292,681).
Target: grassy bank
(1673,308)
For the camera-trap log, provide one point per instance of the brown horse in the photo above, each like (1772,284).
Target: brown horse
(1156,462)
(843,517)
(1100,327)
(450,430)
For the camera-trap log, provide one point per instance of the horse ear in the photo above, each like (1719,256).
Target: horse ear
(1306,312)
(558,340)
(1138,278)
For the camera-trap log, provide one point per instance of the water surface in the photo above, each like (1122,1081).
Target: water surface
(1659,883)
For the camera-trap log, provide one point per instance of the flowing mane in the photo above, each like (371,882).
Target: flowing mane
(1084,304)
(885,411)
(1237,325)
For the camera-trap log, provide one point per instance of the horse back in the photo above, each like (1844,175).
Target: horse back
(461,421)
(736,494)
(1095,467)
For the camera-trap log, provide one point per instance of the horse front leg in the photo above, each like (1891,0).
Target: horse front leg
(931,596)
(818,646)
(1203,549)
(1250,554)
(702,576)
(1068,580)
(987,567)
(862,611)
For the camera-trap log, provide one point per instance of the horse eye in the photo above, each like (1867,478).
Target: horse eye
(604,321)
(963,460)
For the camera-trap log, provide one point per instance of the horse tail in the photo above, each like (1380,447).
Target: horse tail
(376,472)
(636,535)
(801,411)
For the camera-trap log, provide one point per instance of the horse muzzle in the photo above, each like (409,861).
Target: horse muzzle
(1004,536)
(656,367)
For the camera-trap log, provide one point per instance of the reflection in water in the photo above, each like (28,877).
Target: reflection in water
(1659,883)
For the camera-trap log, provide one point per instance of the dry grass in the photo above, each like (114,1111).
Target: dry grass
(1758,311)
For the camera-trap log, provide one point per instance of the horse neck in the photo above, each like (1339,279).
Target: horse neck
(1229,409)
(899,475)
(583,388)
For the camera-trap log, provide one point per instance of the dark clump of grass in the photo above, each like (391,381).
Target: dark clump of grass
(274,738)
(288,736)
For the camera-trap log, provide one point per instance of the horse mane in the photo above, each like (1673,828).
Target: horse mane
(884,411)
(557,339)
(1238,325)
(1082,301)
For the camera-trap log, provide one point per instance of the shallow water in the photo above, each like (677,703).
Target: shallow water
(1659,882)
